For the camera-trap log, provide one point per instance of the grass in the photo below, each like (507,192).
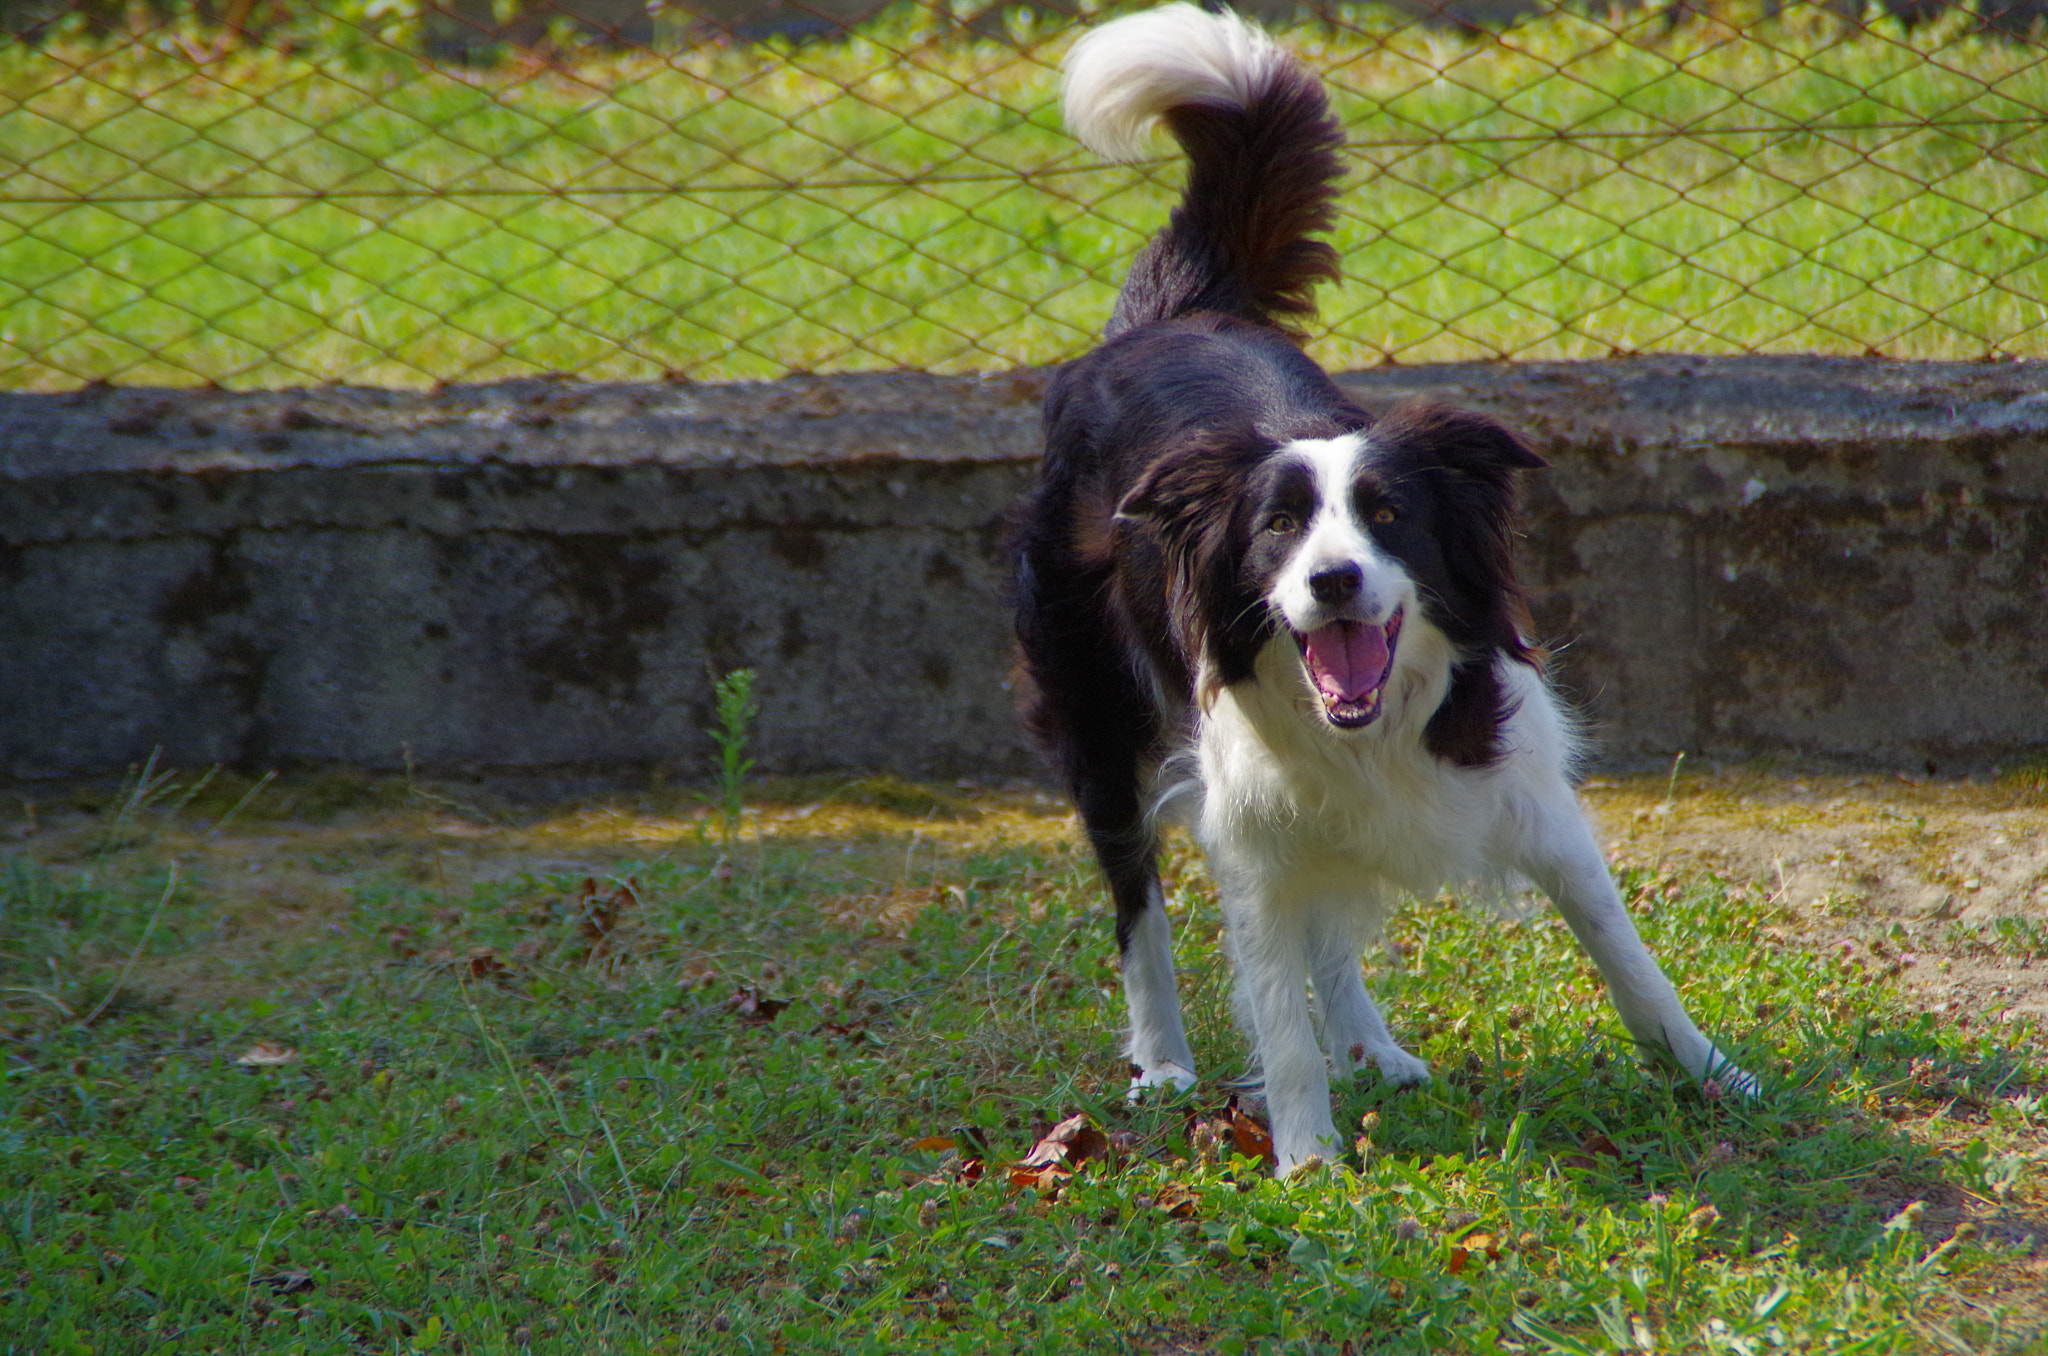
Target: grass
(1572,187)
(389,1067)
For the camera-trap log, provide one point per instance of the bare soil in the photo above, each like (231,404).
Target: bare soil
(1953,875)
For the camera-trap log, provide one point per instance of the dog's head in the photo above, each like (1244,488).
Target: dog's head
(1338,541)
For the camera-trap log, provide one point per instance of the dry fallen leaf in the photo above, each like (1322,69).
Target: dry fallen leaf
(1593,1148)
(1250,1137)
(598,913)
(1481,1243)
(268,1055)
(1060,1152)
(755,1008)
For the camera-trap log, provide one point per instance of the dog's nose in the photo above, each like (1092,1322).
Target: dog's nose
(1337,584)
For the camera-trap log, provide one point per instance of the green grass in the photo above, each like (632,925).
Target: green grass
(512,1128)
(905,199)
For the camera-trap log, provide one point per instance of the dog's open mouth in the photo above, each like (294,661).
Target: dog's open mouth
(1348,664)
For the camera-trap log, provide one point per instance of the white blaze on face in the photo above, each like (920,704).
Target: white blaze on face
(1334,538)
(1348,634)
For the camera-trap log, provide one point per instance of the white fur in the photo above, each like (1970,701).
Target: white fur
(1122,76)
(1312,832)
(1159,1043)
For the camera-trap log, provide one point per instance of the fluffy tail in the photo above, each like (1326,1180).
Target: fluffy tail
(1263,164)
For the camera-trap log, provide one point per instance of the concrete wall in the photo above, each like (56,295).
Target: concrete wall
(1833,560)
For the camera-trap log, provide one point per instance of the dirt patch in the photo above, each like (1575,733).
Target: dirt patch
(1948,877)
(1863,848)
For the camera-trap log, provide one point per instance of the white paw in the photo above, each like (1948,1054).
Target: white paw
(1306,1154)
(1731,1080)
(1401,1069)
(1167,1075)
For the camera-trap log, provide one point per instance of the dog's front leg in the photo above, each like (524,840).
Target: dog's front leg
(1566,864)
(1353,1030)
(1270,948)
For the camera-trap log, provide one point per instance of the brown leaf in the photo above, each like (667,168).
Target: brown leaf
(1045,1179)
(1485,1243)
(755,1008)
(483,963)
(1592,1148)
(935,1143)
(1456,1261)
(1069,1144)
(599,912)
(1250,1137)
(267,1055)
(1176,1200)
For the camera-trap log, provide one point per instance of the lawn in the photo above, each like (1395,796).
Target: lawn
(1572,187)
(344,1064)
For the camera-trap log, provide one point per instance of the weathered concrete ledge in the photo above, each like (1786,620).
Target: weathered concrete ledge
(1829,560)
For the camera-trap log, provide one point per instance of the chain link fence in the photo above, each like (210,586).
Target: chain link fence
(261,193)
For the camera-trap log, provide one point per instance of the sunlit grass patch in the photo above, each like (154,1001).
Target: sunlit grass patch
(588,1078)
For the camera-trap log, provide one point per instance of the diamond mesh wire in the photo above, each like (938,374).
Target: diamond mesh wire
(271,192)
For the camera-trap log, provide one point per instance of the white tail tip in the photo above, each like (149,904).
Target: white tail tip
(1123,75)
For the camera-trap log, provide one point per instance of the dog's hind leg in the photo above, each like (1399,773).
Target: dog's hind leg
(1354,1033)
(1101,727)
(1128,849)
(1159,1042)
(1563,859)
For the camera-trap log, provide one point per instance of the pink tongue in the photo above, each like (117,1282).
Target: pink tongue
(1347,659)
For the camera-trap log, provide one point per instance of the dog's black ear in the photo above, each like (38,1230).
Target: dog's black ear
(1161,493)
(1472,462)
(1193,480)
(1472,443)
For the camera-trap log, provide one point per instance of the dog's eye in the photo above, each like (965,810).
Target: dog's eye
(1385,515)
(1280,522)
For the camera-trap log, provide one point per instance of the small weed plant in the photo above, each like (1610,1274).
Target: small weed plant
(733,696)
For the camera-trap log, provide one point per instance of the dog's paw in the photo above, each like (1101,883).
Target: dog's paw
(1171,1078)
(1305,1154)
(1401,1069)
(1725,1079)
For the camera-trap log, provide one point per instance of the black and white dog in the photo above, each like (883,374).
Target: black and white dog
(1241,593)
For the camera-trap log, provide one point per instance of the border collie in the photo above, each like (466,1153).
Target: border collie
(1242,594)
